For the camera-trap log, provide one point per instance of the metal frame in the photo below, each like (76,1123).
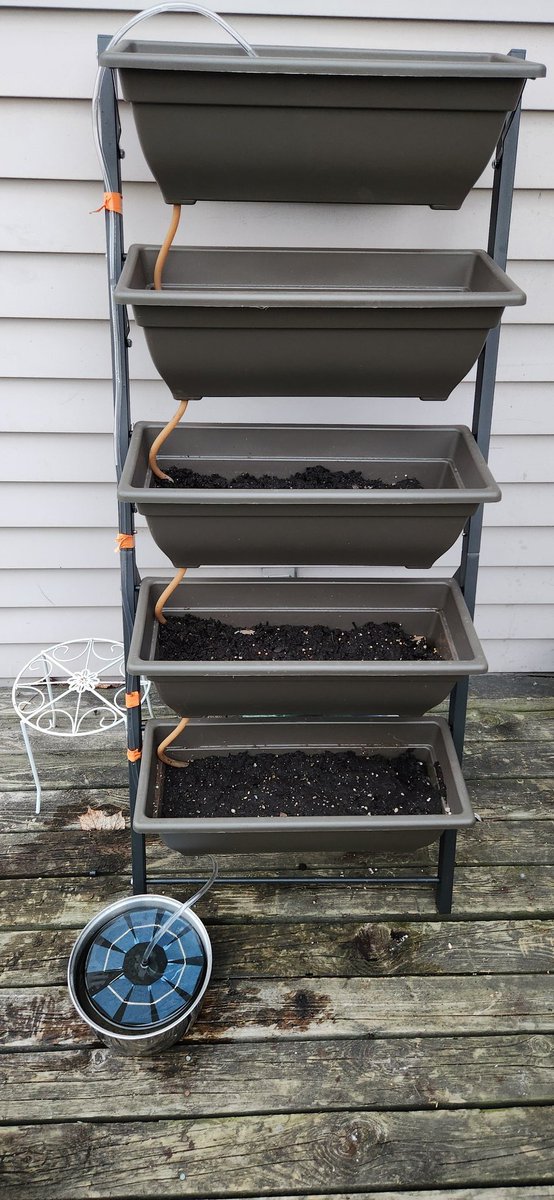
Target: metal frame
(499,227)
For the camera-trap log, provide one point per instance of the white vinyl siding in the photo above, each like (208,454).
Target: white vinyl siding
(59,575)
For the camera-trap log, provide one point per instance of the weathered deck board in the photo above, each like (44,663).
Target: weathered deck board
(506,760)
(267,1153)
(107,768)
(47,852)
(195,1080)
(487,843)
(39,956)
(502,1193)
(501,692)
(527,1193)
(519,799)
(487,720)
(480,893)
(511,688)
(508,1193)
(253,1010)
(523,799)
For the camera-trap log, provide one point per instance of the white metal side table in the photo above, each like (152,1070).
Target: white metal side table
(87,702)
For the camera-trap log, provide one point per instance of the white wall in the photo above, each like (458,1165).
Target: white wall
(58,573)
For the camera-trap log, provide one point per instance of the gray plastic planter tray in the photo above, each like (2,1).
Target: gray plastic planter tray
(434,608)
(384,127)
(429,738)
(352,528)
(258,322)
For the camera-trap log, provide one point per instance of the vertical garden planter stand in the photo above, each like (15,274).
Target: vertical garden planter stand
(501,207)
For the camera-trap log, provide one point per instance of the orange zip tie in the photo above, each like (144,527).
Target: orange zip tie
(113,202)
(163,757)
(134,755)
(167,592)
(161,438)
(124,541)
(132,699)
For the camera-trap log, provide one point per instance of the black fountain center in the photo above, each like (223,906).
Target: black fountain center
(153,970)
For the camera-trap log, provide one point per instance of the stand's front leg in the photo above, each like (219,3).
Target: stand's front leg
(447,863)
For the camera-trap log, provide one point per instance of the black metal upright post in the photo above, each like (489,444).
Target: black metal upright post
(499,230)
(504,167)
(119,336)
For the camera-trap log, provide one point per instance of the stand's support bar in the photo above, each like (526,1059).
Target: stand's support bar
(499,231)
(119,335)
(303,880)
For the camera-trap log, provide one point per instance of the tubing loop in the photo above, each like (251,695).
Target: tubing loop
(163,757)
(161,438)
(167,592)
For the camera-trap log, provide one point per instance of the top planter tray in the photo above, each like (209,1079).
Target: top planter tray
(272,322)
(370,127)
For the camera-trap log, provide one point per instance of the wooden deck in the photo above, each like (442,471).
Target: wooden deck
(352,1043)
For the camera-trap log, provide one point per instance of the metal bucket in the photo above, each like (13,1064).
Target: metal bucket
(134,1013)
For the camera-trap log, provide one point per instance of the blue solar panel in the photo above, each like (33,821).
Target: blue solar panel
(124,992)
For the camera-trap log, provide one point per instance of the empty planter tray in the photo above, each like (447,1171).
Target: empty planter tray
(385,126)
(429,738)
(244,322)
(433,608)
(412,527)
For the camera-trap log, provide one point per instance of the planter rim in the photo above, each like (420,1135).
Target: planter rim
(440,821)
(175,56)
(137,665)
(302,296)
(174,497)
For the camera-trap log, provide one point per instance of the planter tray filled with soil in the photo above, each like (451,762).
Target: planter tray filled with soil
(313,663)
(398,127)
(280,322)
(352,525)
(395,786)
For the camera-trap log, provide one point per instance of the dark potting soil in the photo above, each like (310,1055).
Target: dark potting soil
(298,784)
(205,639)
(318,477)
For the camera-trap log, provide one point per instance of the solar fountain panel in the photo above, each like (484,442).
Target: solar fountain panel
(131,996)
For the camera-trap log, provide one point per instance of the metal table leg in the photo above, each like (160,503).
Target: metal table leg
(32,764)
